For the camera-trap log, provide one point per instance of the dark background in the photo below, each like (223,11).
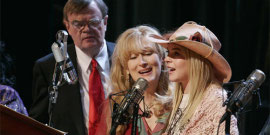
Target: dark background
(28,28)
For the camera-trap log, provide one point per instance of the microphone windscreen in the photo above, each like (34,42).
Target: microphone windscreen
(141,84)
(258,76)
(57,53)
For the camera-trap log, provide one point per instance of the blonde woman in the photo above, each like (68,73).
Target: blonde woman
(134,57)
(198,71)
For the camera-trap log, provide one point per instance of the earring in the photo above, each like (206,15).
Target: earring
(127,76)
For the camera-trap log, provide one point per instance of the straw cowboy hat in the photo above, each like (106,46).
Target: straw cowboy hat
(202,41)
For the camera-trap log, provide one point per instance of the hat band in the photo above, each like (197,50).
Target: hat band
(212,47)
(209,53)
(198,38)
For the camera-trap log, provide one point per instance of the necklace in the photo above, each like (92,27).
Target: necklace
(172,125)
(148,107)
(148,111)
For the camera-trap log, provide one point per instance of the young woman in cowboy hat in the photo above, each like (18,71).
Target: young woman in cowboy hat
(198,71)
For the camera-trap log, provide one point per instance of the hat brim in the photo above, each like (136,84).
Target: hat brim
(222,68)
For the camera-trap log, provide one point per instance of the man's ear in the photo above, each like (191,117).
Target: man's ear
(105,22)
(66,24)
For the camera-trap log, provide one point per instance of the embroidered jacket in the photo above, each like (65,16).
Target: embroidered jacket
(205,119)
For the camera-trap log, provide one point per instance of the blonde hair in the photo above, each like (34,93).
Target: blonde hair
(134,40)
(201,75)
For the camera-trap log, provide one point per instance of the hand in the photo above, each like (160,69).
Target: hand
(164,134)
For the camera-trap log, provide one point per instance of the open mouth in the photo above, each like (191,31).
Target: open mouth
(170,69)
(145,71)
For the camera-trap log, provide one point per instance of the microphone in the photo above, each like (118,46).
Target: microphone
(123,112)
(63,63)
(243,93)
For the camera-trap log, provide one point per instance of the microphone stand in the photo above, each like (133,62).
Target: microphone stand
(135,115)
(134,122)
(266,128)
(114,124)
(228,120)
(227,115)
(53,94)
(57,76)
(135,119)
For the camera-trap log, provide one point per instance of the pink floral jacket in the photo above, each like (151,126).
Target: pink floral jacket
(206,118)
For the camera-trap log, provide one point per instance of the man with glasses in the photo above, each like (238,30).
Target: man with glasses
(86,23)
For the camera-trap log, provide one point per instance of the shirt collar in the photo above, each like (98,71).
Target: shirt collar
(84,60)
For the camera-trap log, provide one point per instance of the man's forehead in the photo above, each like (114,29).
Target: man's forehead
(91,10)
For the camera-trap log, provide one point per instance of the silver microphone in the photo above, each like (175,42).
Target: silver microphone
(124,111)
(62,59)
(242,95)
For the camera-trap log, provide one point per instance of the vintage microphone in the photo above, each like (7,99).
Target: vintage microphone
(124,112)
(63,69)
(63,62)
(242,95)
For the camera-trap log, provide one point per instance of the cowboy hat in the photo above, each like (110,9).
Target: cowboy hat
(202,41)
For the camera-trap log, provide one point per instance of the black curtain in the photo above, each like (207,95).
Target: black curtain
(29,27)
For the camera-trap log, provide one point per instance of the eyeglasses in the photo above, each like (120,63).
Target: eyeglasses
(81,24)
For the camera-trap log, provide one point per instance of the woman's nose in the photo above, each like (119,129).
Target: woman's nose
(142,61)
(167,59)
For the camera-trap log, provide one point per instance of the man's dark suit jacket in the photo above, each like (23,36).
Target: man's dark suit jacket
(67,113)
